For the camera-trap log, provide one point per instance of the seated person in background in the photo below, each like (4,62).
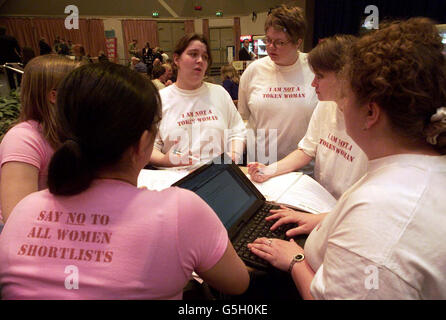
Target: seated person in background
(169,74)
(383,239)
(102,57)
(231,80)
(156,62)
(44,47)
(63,48)
(199,118)
(339,162)
(138,65)
(159,75)
(79,54)
(157,55)
(26,149)
(132,245)
(164,55)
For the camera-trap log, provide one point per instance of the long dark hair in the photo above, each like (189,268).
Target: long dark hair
(103,109)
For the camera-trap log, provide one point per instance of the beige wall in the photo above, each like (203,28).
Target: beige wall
(247,26)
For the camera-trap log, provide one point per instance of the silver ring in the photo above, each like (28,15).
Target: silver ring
(270,242)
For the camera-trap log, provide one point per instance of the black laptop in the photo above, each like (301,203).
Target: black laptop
(239,205)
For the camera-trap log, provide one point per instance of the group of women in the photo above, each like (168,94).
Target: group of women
(378,135)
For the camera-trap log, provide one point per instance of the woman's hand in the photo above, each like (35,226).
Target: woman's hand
(278,253)
(306,221)
(259,172)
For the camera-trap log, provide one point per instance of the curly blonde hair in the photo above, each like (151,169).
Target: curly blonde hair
(401,68)
(289,20)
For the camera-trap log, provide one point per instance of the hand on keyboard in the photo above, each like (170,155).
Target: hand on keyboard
(306,222)
(277,252)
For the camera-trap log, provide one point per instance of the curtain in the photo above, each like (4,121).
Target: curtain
(28,32)
(141,30)
(237,34)
(95,40)
(189,26)
(21,29)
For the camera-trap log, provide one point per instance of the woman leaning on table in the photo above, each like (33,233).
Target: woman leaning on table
(381,240)
(275,92)
(121,241)
(339,162)
(199,118)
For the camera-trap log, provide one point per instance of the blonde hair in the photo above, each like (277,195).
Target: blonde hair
(43,74)
(229,72)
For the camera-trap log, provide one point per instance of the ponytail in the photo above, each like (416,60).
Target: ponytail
(102,111)
(69,172)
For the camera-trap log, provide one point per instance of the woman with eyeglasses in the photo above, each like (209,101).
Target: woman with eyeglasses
(200,121)
(275,92)
(339,162)
(384,238)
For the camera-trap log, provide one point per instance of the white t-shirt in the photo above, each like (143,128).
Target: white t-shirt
(203,121)
(339,161)
(280,98)
(385,237)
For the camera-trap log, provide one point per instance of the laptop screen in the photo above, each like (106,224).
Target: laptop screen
(223,191)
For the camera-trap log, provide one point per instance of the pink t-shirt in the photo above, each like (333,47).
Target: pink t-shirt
(113,241)
(25,143)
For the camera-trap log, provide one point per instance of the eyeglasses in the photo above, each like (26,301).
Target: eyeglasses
(276,43)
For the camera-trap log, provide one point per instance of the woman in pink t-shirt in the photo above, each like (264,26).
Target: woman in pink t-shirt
(94,234)
(26,149)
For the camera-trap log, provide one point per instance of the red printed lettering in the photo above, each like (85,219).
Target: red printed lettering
(49,216)
(75,218)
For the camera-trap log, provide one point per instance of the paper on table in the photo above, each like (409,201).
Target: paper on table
(275,187)
(297,190)
(159,179)
(307,194)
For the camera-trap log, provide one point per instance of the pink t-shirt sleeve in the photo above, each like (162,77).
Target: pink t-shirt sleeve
(23,144)
(202,238)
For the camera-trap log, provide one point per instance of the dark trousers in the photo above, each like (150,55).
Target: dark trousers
(263,285)
(11,80)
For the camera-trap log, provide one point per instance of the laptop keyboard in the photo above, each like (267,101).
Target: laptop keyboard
(258,227)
